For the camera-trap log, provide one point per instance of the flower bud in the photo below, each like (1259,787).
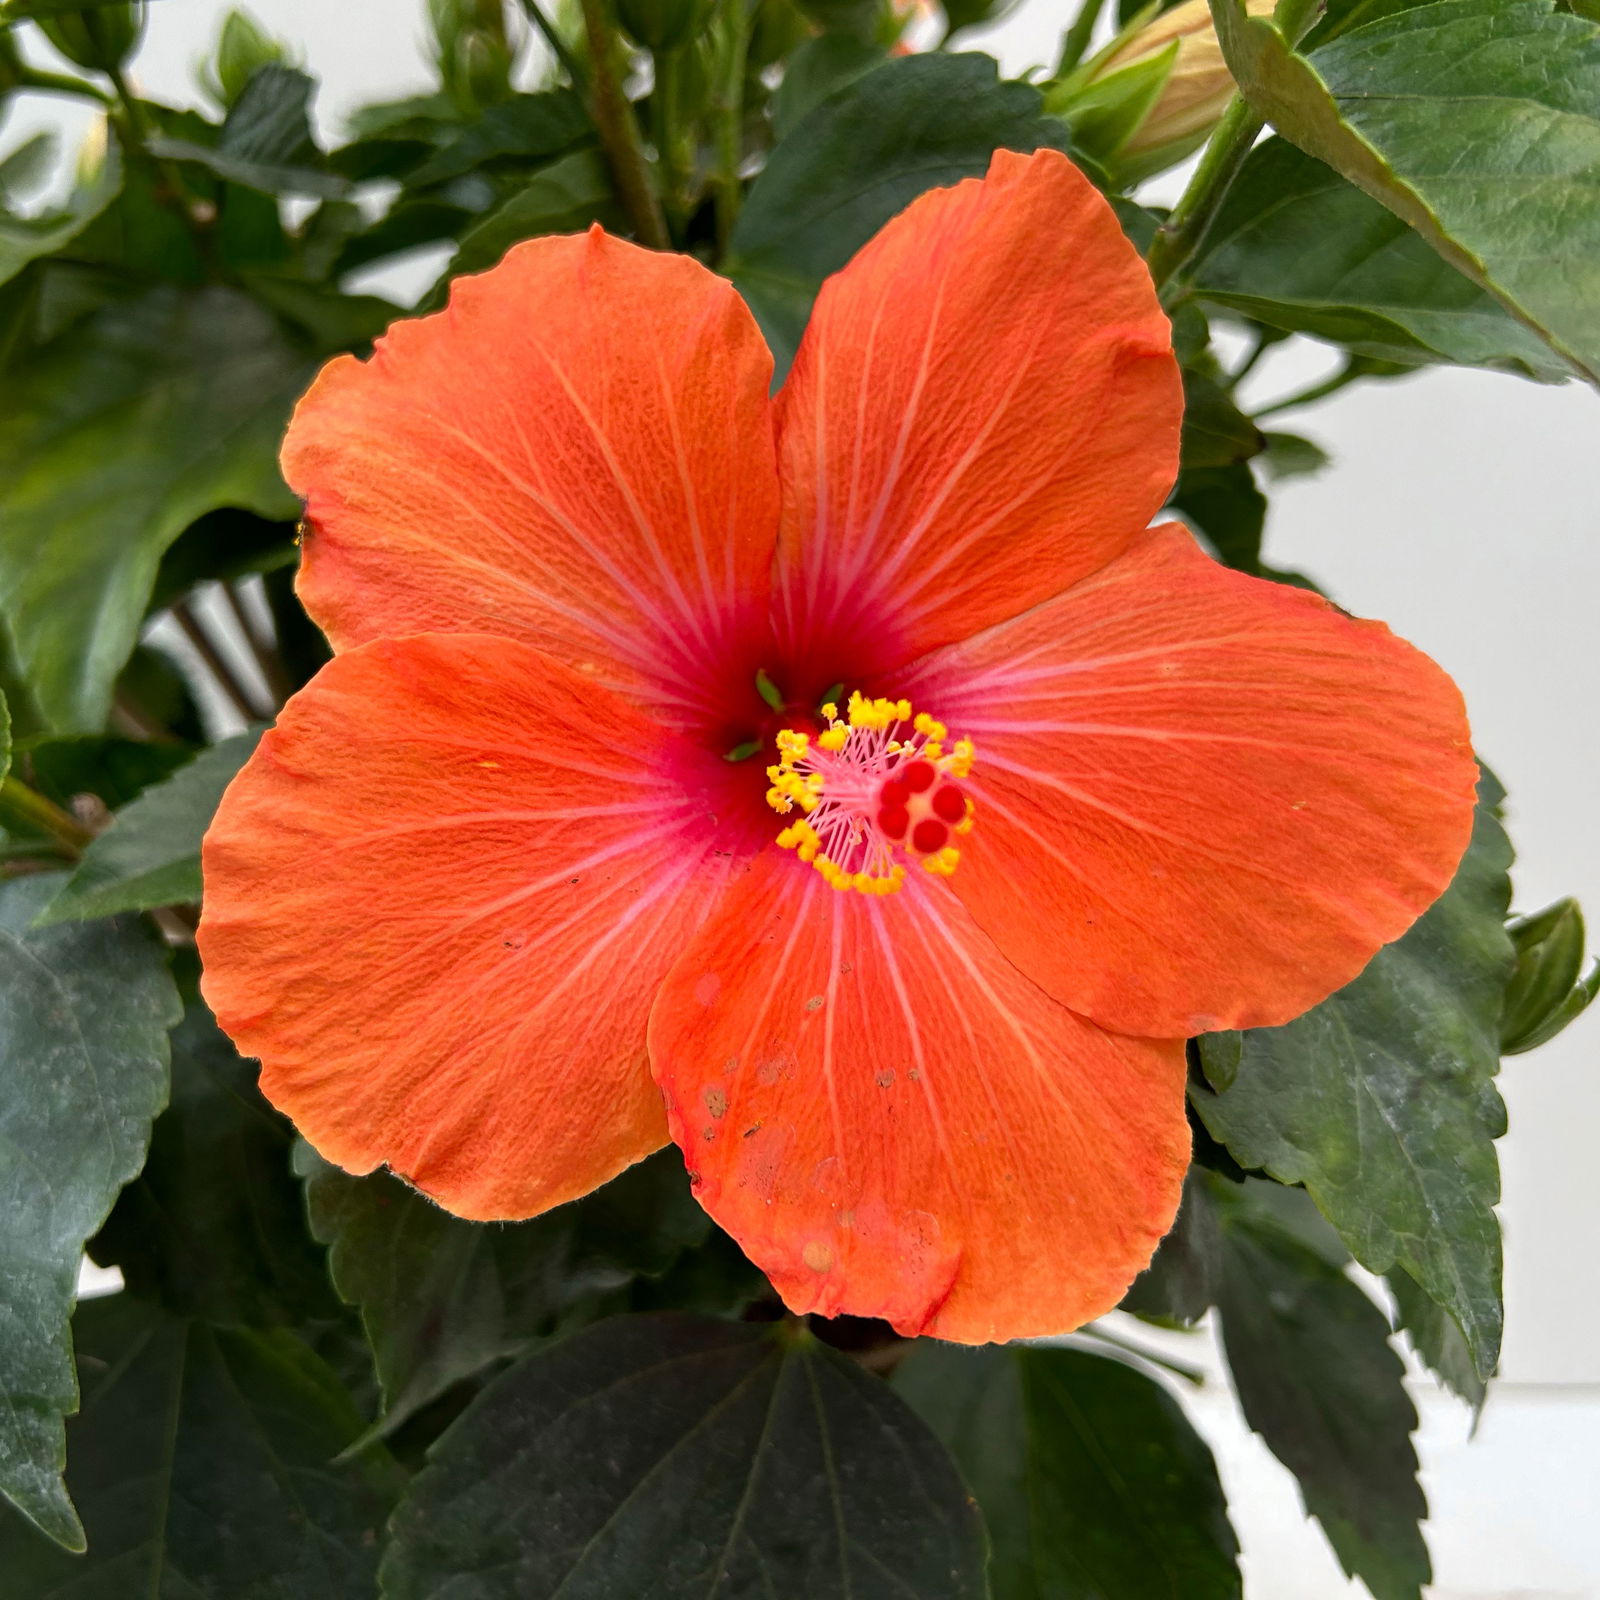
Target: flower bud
(243,49)
(1154,94)
(100,38)
(473,51)
(1546,990)
(662,25)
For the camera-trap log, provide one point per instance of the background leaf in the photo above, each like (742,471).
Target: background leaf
(117,437)
(204,1464)
(84,1013)
(1381,1100)
(1477,122)
(1296,246)
(1093,1483)
(441,1299)
(737,1460)
(865,153)
(150,854)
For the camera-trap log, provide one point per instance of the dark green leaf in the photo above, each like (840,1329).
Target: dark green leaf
(441,1299)
(1216,433)
(214,1226)
(527,127)
(222,544)
(1433,1333)
(819,68)
(564,197)
(1225,507)
(1180,1284)
(266,140)
(1381,1100)
(1297,247)
(84,1013)
(150,855)
(1477,122)
(204,1464)
(1093,1484)
(113,770)
(1317,1379)
(1290,455)
(131,426)
(858,158)
(667,1457)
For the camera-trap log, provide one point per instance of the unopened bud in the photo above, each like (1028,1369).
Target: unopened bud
(100,38)
(1154,94)
(243,49)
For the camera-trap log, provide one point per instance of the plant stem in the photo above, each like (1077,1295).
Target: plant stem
(262,647)
(1075,43)
(19,803)
(136,138)
(227,680)
(1182,233)
(1346,375)
(558,45)
(619,136)
(61,83)
(729,109)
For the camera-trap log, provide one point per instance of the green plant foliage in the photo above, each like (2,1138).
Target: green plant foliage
(141,419)
(1381,1100)
(564,197)
(30,237)
(84,1013)
(442,1299)
(863,154)
(1316,1378)
(1298,247)
(1415,108)
(150,855)
(737,1460)
(1437,1339)
(205,1464)
(214,1226)
(1093,1483)
(1548,987)
(1216,433)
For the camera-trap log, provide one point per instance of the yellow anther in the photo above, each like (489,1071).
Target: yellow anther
(961,758)
(830,712)
(930,727)
(942,864)
(835,738)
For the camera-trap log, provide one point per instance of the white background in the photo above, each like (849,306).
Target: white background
(1463,509)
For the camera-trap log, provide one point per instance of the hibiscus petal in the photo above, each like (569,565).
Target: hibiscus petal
(1203,800)
(984,409)
(894,1123)
(578,453)
(439,900)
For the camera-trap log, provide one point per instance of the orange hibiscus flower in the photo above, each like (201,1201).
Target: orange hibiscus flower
(656,700)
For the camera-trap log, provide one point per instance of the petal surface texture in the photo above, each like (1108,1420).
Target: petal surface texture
(1203,800)
(894,1123)
(984,409)
(439,900)
(578,453)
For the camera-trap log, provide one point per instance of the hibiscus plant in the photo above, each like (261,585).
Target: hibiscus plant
(647,902)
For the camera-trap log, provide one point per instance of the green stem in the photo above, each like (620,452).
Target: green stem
(729,110)
(60,83)
(1075,43)
(136,139)
(558,46)
(19,803)
(1182,233)
(619,136)
(664,115)
(1349,373)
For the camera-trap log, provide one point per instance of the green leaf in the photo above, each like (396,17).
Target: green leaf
(667,1457)
(214,1226)
(1437,1339)
(1477,122)
(150,854)
(1216,433)
(441,1299)
(5,738)
(820,67)
(123,432)
(1093,1484)
(1317,1379)
(1225,507)
(265,142)
(527,127)
(1297,247)
(858,158)
(84,1013)
(1180,1284)
(1291,455)
(204,1464)
(28,238)
(564,197)
(1381,1100)
(112,769)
